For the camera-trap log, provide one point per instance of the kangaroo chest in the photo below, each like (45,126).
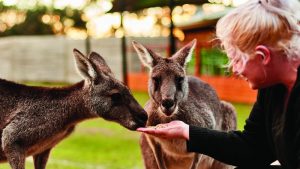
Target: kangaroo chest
(172,147)
(173,152)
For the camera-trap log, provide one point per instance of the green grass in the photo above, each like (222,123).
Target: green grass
(243,111)
(98,144)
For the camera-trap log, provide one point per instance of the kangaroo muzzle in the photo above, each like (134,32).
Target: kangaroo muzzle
(168,106)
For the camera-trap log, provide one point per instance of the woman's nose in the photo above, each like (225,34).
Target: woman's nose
(235,70)
(238,68)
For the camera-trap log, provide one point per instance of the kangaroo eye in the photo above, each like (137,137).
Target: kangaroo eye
(178,82)
(179,79)
(157,81)
(116,98)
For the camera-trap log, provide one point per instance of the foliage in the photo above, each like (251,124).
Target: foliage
(33,24)
(4,8)
(190,67)
(213,61)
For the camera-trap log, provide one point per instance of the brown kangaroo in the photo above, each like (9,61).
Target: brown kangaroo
(175,96)
(34,119)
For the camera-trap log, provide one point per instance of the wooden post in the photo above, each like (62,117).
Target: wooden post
(172,43)
(123,46)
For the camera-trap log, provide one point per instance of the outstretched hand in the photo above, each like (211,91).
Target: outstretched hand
(174,129)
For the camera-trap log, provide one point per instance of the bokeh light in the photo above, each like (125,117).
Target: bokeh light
(151,22)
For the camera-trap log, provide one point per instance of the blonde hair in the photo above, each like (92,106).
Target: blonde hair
(274,23)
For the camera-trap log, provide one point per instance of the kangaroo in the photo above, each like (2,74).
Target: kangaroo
(176,96)
(34,119)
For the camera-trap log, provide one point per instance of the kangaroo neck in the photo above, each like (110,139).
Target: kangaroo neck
(75,105)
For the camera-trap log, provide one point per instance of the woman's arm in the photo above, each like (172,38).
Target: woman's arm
(246,148)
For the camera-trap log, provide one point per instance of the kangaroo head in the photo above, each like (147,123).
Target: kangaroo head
(168,84)
(107,96)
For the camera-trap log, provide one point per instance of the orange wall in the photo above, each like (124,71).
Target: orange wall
(231,89)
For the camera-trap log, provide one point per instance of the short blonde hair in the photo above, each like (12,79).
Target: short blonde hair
(274,23)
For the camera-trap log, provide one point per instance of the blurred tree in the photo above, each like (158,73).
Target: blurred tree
(32,25)
(213,61)
(59,20)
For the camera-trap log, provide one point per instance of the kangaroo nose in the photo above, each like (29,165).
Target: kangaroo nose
(168,103)
(143,116)
(141,119)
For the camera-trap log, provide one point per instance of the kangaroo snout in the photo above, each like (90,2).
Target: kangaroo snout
(168,103)
(140,118)
(168,106)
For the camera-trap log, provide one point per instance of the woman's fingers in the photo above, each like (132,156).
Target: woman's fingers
(154,131)
(174,129)
(175,122)
(145,129)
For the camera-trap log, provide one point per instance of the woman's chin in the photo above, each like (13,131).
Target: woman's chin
(253,86)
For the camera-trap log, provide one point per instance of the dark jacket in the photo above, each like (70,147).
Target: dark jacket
(272,132)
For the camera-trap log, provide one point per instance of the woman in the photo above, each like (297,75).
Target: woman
(262,41)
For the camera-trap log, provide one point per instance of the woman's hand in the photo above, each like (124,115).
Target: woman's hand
(174,129)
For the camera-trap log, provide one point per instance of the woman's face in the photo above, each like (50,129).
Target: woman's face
(252,70)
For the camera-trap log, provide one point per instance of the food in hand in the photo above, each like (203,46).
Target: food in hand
(159,126)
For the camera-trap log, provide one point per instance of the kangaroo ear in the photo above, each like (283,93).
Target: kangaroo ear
(100,63)
(147,57)
(84,66)
(184,55)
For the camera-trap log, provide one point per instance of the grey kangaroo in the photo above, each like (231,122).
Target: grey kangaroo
(34,119)
(175,96)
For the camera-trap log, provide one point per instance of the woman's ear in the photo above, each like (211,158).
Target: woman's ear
(263,52)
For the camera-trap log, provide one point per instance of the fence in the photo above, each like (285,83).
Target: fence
(50,58)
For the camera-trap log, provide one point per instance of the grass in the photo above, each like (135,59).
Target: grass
(243,111)
(98,144)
